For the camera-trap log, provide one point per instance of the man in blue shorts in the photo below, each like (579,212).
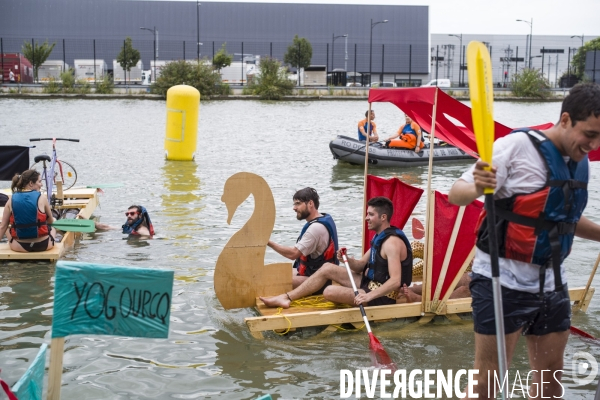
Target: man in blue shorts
(540,180)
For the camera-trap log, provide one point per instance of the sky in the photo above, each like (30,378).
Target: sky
(550,17)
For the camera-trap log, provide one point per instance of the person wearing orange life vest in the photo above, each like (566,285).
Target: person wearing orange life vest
(29,215)
(317,243)
(541,187)
(409,136)
(363,126)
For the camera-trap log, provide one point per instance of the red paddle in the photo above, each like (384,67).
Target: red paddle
(417,229)
(378,354)
(584,334)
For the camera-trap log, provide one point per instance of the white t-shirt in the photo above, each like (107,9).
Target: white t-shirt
(520,169)
(314,241)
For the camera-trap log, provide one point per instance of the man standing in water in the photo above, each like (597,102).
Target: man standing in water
(318,241)
(540,180)
(379,273)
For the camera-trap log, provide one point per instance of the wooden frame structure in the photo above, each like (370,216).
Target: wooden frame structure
(84,199)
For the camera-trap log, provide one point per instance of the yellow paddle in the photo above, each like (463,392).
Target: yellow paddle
(479,67)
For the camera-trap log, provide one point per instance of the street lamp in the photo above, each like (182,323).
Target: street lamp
(574,36)
(155,32)
(530,36)
(459,59)
(371,46)
(332,47)
(198,30)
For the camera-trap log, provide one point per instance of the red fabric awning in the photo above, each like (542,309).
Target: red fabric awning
(453,119)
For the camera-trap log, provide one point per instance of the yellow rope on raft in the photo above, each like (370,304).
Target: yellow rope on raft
(279,310)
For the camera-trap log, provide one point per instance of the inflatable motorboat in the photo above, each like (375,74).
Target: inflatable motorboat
(352,151)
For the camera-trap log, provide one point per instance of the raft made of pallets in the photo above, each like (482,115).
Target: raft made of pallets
(84,199)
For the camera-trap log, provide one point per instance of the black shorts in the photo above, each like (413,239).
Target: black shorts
(537,316)
(380,301)
(35,247)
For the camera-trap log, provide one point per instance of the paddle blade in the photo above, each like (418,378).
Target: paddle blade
(379,356)
(479,66)
(105,186)
(75,225)
(418,231)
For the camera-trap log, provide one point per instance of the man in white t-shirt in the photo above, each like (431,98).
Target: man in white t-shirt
(540,180)
(317,243)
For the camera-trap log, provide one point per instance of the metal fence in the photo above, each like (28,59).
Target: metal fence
(383,60)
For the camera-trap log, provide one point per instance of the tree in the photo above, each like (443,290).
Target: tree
(222,59)
(199,74)
(128,57)
(37,54)
(271,83)
(299,54)
(578,61)
(530,83)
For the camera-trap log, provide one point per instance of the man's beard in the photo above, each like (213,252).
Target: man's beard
(302,215)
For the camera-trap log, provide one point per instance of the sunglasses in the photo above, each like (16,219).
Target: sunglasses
(132,213)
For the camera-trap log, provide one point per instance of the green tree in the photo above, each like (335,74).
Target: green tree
(222,59)
(271,83)
(578,61)
(200,75)
(530,83)
(299,54)
(37,54)
(128,57)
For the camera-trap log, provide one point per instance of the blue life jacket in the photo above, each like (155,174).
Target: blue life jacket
(408,130)
(144,217)
(26,220)
(539,227)
(307,265)
(362,137)
(378,266)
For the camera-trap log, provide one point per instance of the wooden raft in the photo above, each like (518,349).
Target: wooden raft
(84,199)
(300,317)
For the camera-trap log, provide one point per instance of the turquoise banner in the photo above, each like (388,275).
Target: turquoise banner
(96,299)
(30,386)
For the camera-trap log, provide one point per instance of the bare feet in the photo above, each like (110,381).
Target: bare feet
(277,301)
(406,295)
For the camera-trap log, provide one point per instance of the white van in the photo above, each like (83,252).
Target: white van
(443,83)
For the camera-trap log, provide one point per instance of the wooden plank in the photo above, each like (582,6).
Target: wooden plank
(449,250)
(578,304)
(55,369)
(428,257)
(588,299)
(59,248)
(332,317)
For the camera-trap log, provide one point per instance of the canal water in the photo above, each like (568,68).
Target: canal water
(210,352)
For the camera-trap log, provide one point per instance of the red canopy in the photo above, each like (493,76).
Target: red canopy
(453,119)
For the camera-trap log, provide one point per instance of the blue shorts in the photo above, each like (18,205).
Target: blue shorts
(537,316)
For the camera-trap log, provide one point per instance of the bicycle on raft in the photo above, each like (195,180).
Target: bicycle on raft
(57,170)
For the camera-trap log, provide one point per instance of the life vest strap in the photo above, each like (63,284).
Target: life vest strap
(32,224)
(563,228)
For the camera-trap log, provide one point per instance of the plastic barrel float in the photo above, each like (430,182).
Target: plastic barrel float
(183,105)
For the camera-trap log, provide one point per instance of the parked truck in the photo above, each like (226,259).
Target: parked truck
(237,72)
(134,75)
(155,68)
(90,71)
(51,69)
(19,65)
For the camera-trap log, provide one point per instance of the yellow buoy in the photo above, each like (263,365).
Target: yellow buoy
(183,105)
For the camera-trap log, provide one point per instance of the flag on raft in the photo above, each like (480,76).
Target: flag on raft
(444,220)
(404,197)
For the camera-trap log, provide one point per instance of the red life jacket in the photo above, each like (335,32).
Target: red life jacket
(538,227)
(26,220)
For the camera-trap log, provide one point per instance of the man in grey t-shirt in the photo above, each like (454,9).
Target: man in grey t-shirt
(317,243)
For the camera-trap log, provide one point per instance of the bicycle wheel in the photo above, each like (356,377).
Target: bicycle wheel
(66,172)
(62,170)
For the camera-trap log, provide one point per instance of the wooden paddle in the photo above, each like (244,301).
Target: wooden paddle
(75,225)
(479,67)
(378,353)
